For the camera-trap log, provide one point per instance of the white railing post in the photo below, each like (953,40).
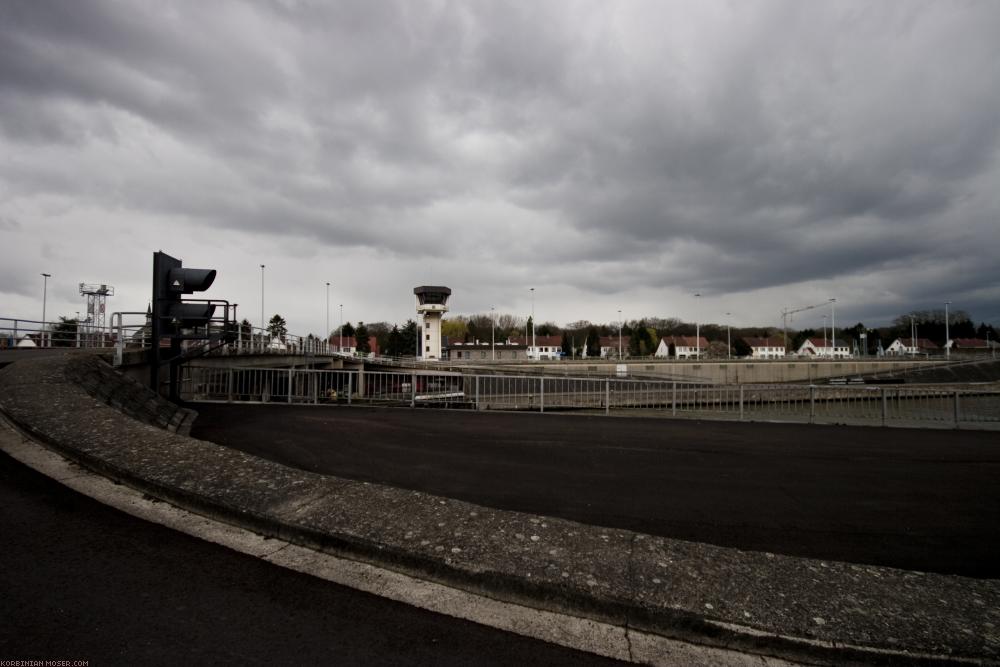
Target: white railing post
(477,392)
(229,385)
(673,399)
(413,390)
(812,403)
(541,394)
(289,385)
(741,402)
(607,397)
(957,409)
(885,406)
(350,389)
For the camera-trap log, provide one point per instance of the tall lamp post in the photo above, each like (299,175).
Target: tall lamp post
(493,332)
(826,348)
(534,350)
(947,336)
(326,338)
(697,334)
(729,337)
(341,348)
(833,326)
(45,293)
(262,323)
(619,334)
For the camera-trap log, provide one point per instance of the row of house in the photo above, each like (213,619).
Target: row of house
(670,347)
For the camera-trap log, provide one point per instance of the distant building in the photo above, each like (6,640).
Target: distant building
(766,348)
(824,349)
(609,346)
(910,346)
(350,344)
(486,351)
(684,347)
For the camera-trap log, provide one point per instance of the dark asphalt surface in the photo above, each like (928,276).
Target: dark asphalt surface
(915,499)
(81,581)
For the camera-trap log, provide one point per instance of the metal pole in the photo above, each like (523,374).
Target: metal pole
(957,409)
(729,338)
(741,402)
(885,406)
(541,394)
(413,390)
(619,334)
(341,348)
(534,350)
(833,325)
(45,292)
(607,397)
(697,335)
(947,336)
(812,403)
(262,322)
(493,332)
(326,332)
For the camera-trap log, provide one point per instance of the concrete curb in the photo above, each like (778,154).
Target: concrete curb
(792,608)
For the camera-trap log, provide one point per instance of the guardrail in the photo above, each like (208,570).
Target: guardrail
(966,406)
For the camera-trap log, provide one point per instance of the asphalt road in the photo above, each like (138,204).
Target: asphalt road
(916,499)
(82,582)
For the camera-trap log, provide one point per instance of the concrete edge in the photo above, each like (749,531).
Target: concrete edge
(647,639)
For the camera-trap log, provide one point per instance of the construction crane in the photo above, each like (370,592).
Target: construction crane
(788,312)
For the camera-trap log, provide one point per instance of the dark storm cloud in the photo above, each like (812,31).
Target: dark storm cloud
(720,147)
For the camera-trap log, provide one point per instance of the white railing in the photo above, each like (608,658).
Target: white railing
(885,405)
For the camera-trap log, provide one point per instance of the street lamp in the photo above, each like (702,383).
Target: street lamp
(619,334)
(262,302)
(947,336)
(534,350)
(729,337)
(45,292)
(326,338)
(833,326)
(341,349)
(493,332)
(826,348)
(697,334)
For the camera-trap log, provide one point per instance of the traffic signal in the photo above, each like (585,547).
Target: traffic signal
(170,282)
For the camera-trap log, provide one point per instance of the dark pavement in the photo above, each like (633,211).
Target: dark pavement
(81,581)
(914,499)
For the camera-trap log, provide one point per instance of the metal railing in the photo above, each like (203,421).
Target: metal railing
(958,406)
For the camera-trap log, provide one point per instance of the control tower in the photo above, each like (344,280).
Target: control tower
(432,303)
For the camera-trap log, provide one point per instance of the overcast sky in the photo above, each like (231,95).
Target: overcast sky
(613,155)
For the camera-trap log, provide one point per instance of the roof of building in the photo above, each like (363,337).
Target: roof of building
(773,341)
(922,343)
(686,341)
(969,343)
(612,341)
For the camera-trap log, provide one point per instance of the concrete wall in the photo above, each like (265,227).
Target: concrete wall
(740,372)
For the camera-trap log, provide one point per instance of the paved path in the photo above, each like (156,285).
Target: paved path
(80,581)
(921,500)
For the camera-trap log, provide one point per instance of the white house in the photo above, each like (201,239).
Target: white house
(910,346)
(824,349)
(546,347)
(610,345)
(685,347)
(766,348)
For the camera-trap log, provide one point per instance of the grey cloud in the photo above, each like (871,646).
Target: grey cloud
(733,147)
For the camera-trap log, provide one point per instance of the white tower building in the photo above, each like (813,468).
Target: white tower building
(432,304)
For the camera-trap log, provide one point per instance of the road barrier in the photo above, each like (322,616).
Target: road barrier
(966,406)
